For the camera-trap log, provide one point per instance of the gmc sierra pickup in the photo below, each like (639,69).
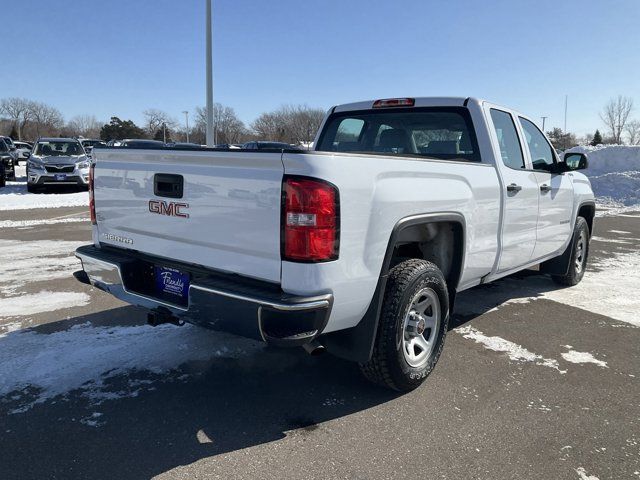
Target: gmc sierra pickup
(357,247)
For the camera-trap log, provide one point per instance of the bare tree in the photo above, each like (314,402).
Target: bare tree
(85,126)
(632,129)
(616,114)
(228,127)
(295,124)
(45,119)
(18,110)
(155,119)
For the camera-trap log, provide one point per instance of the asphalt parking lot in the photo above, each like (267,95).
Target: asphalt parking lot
(534,381)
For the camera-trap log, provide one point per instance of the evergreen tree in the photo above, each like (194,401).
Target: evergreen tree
(597,139)
(118,129)
(14,133)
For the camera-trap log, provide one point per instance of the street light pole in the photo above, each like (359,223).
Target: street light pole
(186,116)
(211,140)
(543,120)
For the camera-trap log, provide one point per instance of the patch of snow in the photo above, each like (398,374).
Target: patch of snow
(607,291)
(514,351)
(622,232)
(16,197)
(604,289)
(27,262)
(609,240)
(583,474)
(582,357)
(44,301)
(92,420)
(34,223)
(40,367)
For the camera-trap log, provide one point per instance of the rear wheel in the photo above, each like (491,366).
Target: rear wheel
(579,254)
(412,326)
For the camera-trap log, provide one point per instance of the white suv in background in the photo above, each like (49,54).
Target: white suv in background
(57,161)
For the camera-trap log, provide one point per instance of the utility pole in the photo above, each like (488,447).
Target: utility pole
(186,116)
(543,120)
(164,132)
(566,98)
(211,139)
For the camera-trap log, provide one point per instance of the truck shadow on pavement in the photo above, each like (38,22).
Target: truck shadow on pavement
(201,409)
(144,422)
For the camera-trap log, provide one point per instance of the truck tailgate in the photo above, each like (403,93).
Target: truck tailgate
(228,217)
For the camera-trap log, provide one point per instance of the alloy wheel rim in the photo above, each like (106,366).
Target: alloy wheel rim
(420,327)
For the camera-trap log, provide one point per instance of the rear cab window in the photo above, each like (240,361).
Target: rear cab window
(444,133)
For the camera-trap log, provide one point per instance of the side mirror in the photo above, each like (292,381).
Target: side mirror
(575,161)
(27,154)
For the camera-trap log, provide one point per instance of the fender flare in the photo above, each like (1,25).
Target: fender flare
(356,343)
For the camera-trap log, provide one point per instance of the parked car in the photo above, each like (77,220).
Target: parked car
(183,145)
(8,163)
(12,148)
(402,204)
(22,149)
(140,143)
(89,143)
(266,146)
(55,162)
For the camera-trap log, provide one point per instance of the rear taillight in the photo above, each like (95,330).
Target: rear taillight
(92,203)
(310,220)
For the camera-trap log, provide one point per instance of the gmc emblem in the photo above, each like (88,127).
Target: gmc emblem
(171,209)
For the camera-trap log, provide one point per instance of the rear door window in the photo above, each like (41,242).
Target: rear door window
(430,132)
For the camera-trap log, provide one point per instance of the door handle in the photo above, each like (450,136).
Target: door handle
(544,188)
(513,188)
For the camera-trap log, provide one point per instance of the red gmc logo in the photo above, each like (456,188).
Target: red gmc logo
(171,209)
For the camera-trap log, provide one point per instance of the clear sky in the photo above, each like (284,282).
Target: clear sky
(120,57)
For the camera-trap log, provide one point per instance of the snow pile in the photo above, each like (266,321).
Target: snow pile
(614,171)
(37,367)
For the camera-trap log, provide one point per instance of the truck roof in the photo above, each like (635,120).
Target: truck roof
(419,102)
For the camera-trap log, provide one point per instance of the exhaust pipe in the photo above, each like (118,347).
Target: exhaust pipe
(314,348)
(158,318)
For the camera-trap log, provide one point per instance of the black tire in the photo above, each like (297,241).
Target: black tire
(388,365)
(579,255)
(32,188)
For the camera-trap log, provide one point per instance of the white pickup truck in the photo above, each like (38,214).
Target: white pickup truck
(357,247)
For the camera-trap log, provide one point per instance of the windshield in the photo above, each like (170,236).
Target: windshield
(443,133)
(3,146)
(58,149)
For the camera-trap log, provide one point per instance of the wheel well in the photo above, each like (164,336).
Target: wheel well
(438,242)
(588,212)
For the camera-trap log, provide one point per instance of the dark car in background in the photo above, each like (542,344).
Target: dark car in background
(7,159)
(136,143)
(89,143)
(266,146)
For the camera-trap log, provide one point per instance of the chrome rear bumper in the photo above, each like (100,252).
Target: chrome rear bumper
(219,301)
